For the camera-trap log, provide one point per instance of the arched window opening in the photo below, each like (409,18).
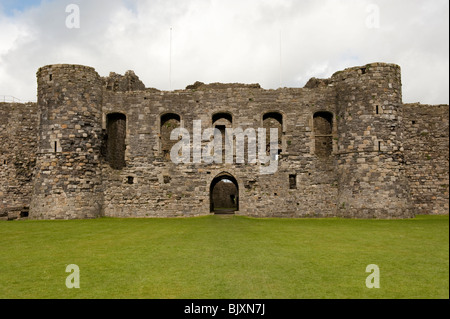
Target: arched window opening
(323,134)
(169,122)
(224,194)
(222,121)
(273,120)
(226,117)
(116,124)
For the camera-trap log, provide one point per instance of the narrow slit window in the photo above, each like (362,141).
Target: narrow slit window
(56,146)
(293,181)
(376,109)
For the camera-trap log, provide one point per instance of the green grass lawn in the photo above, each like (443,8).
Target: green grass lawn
(225,257)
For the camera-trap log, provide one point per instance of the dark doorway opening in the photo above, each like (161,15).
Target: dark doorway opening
(224,194)
(24,213)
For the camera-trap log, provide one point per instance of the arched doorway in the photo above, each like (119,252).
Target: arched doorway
(224,194)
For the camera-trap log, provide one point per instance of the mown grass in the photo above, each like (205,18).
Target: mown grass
(225,257)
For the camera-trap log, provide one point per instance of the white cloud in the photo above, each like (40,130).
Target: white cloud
(230,41)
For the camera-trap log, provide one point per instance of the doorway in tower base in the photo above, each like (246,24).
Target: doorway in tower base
(224,194)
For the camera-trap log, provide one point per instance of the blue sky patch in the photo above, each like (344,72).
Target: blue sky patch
(10,7)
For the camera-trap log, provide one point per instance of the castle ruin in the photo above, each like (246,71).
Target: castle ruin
(100,146)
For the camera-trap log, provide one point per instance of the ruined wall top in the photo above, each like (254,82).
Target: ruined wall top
(123,83)
(218,86)
(130,82)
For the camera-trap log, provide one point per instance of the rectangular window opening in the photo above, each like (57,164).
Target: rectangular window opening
(293,181)
(116,127)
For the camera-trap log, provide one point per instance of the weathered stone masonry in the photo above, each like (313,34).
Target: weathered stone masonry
(18,138)
(99,146)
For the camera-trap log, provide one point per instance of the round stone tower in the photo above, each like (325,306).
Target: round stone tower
(370,163)
(67,178)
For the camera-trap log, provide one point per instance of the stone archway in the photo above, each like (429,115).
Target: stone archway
(224,194)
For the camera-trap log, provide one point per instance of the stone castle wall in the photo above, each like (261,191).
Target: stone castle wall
(426,136)
(348,147)
(183,190)
(18,131)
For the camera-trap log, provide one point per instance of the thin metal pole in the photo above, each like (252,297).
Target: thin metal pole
(280,60)
(170,61)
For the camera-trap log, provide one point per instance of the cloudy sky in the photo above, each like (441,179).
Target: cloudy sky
(271,42)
